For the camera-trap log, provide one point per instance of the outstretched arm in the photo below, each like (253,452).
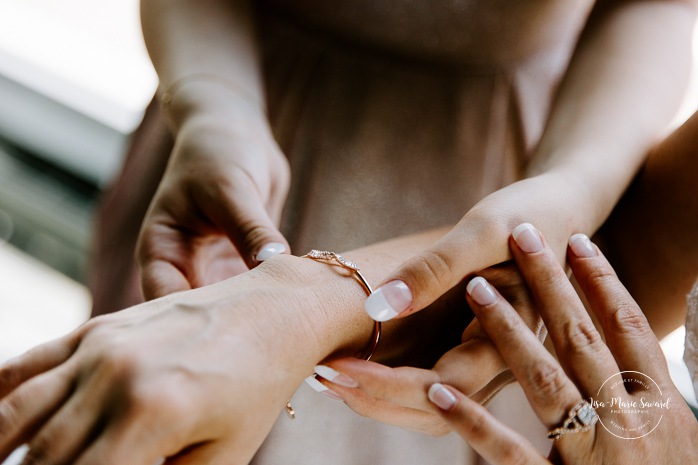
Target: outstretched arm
(198,376)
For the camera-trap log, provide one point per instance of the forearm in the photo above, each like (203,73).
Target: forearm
(622,89)
(188,40)
(315,311)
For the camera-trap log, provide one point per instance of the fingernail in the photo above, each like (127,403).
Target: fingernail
(336,377)
(269,250)
(388,301)
(442,397)
(481,291)
(321,388)
(527,237)
(582,246)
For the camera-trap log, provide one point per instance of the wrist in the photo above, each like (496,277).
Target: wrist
(213,98)
(325,304)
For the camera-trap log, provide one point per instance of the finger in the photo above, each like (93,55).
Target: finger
(65,434)
(236,206)
(545,384)
(497,443)
(389,413)
(578,344)
(422,279)
(37,360)
(30,405)
(160,278)
(164,255)
(470,366)
(628,334)
(69,430)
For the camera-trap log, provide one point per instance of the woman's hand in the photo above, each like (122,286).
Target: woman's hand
(197,377)
(216,210)
(395,396)
(555,201)
(652,425)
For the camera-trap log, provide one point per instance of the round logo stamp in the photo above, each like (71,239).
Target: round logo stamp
(630,405)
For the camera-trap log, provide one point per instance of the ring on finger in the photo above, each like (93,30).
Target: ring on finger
(582,417)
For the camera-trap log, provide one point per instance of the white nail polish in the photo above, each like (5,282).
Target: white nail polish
(336,377)
(582,246)
(378,308)
(442,397)
(315,384)
(527,237)
(388,301)
(481,292)
(269,250)
(321,388)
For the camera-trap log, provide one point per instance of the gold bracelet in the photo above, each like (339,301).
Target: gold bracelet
(325,256)
(168,94)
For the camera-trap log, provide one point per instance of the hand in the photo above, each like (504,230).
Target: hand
(217,206)
(557,202)
(395,396)
(197,377)
(664,432)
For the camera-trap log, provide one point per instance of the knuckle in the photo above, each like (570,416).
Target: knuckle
(580,338)
(156,403)
(627,319)
(550,276)
(120,365)
(430,270)
(548,381)
(254,233)
(600,278)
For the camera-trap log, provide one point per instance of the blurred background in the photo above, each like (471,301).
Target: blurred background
(74,82)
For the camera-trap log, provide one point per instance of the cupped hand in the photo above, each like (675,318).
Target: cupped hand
(216,211)
(197,377)
(642,418)
(395,396)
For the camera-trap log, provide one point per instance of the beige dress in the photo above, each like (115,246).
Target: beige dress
(396,116)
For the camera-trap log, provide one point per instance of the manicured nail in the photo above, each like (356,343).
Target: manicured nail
(269,250)
(388,301)
(321,388)
(528,238)
(481,291)
(336,377)
(582,246)
(442,397)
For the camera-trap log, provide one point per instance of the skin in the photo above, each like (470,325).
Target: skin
(287,302)
(585,362)
(164,379)
(587,156)
(659,282)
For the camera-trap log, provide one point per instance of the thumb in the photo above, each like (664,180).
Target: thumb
(241,213)
(466,249)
